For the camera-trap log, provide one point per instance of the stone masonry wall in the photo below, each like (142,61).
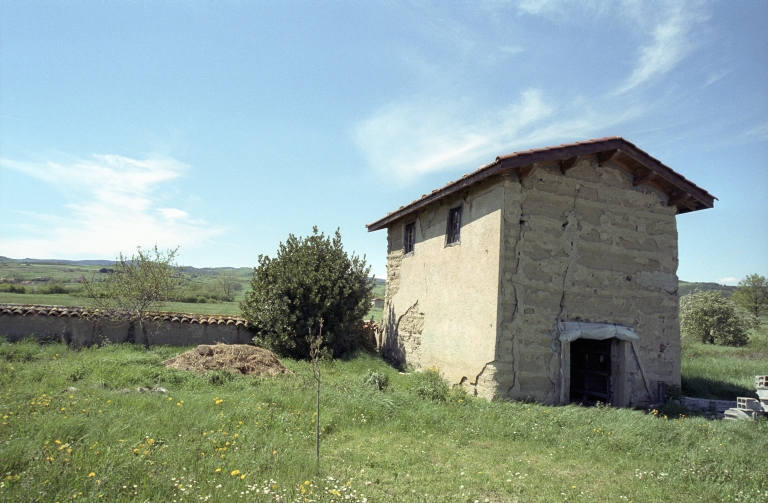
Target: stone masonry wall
(584,245)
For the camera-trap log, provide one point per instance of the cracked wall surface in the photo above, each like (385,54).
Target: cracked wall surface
(583,245)
(589,247)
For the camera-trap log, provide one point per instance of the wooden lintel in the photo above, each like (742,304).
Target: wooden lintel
(677,197)
(523,172)
(567,164)
(605,156)
(639,180)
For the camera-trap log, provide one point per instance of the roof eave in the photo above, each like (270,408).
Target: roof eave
(686,195)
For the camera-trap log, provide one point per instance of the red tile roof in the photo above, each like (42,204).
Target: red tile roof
(682,193)
(84,312)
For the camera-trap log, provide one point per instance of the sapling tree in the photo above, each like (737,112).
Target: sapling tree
(229,285)
(752,294)
(145,282)
(315,355)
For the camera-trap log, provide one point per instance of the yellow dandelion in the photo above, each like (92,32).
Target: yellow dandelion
(235,473)
(217,470)
(92,474)
(242,477)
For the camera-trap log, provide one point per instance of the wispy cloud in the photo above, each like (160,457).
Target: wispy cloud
(113,206)
(729,281)
(672,41)
(514,49)
(438,130)
(535,7)
(714,77)
(413,138)
(760,132)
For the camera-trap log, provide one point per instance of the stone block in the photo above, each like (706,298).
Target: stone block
(745,403)
(738,414)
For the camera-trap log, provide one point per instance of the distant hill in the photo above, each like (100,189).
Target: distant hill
(684,288)
(53,261)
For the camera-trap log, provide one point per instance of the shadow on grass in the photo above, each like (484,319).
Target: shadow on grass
(700,387)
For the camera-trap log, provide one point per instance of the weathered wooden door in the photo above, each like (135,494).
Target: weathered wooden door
(591,371)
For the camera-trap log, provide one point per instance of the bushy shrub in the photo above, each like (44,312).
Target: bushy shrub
(311,279)
(376,379)
(430,385)
(710,318)
(11,288)
(52,289)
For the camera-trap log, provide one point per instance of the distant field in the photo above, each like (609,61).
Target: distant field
(200,281)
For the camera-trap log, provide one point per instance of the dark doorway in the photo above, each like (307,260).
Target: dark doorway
(591,371)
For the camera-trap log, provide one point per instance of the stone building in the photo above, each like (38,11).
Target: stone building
(548,275)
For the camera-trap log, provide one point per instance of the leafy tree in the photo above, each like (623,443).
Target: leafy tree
(752,294)
(712,319)
(229,285)
(143,283)
(311,279)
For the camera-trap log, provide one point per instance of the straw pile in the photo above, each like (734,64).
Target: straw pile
(239,358)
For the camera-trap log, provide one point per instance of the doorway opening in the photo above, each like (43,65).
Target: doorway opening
(591,371)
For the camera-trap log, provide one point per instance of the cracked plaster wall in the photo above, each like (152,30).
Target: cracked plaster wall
(441,301)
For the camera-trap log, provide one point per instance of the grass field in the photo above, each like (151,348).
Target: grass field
(221,437)
(724,373)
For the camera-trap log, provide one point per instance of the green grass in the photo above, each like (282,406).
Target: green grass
(42,299)
(724,373)
(388,446)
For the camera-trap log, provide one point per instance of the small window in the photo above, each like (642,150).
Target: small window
(410,237)
(453,232)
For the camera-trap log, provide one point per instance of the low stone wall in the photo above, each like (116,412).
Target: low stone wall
(83,327)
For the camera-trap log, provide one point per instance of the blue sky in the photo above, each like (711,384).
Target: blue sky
(221,127)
